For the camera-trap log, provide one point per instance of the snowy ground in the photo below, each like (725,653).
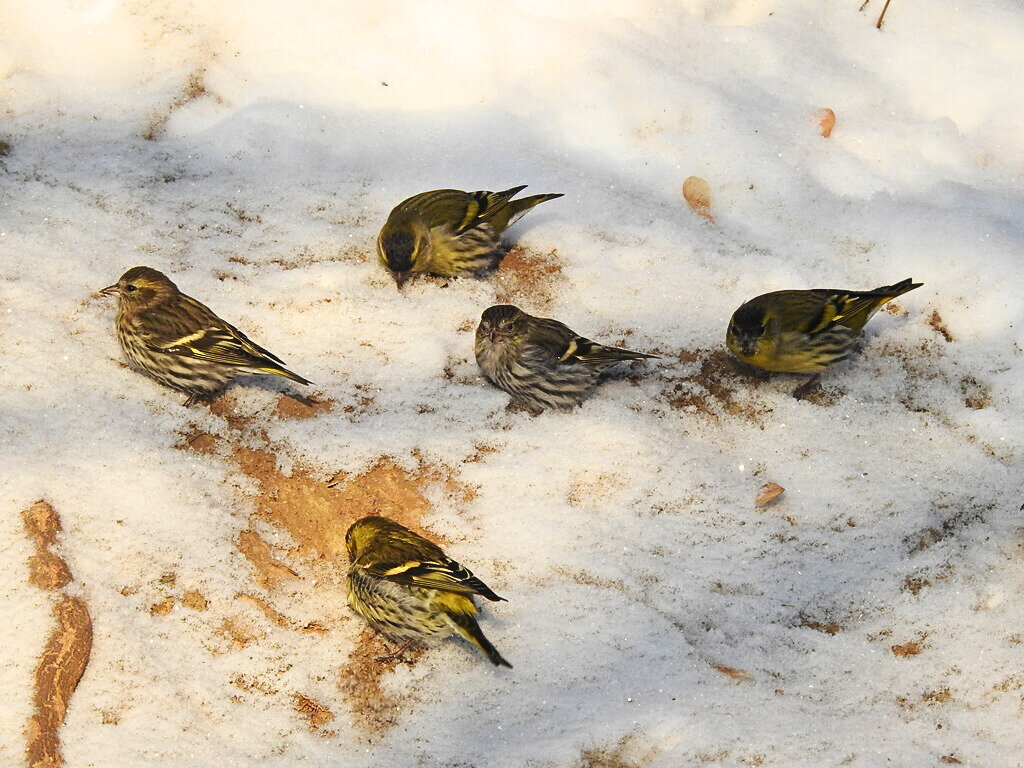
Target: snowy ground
(872,616)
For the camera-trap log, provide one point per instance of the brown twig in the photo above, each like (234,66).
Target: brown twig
(882,14)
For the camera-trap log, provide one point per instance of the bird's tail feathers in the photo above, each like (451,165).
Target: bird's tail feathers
(280,370)
(599,354)
(470,629)
(897,289)
(517,208)
(859,306)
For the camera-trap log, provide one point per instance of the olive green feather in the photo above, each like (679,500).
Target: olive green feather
(449,232)
(805,331)
(407,589)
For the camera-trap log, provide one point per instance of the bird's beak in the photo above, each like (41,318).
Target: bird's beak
(748,346)
(401,278)
(493,334)
(110,290)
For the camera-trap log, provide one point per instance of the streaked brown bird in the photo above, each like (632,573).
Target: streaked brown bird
(448,232)
(408,590)
(542,363)
(180,342)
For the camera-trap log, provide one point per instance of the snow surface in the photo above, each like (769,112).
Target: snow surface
(252,150)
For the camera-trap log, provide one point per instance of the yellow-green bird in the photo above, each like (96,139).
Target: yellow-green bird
(180,342)
(408,590)
(805,331)
(449,232)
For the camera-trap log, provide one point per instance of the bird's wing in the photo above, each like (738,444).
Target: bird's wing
(552,342)
(444,574)
(830,313)
(214,340)
(560,344)
(454,209)
(851,309)
(483,206)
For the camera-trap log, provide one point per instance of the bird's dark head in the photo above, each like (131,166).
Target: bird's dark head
(746,328)
(140,288)
(501,323)
(363,533)
(402,251)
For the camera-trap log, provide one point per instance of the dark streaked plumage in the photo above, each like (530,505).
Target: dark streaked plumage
(180,342)
(406,588)
(805,331)
(449,232)
(540,362)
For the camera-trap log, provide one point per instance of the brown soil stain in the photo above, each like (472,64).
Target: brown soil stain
(923,363)
(939,326)
(162,608)
(67,650)
(915,585)
(629,752)
(941,696)
(316,515)
(697,194)
(238,632)
(906,649)
(279,618)
(829,628)
(193,88)
(529,277)
(57,675)
(45,569)
(269,572)
(733,672)
(375,710)
(977,395)
(717,385)
(292,407)
(194,599)
(316,713)
(589,488)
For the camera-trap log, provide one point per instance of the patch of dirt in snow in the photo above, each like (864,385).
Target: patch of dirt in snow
(927,377)
(629,752)
(66,655)
(529,279)
(316,713)
(712,383)
(316,515)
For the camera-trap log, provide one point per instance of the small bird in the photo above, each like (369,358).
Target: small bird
(540,362)
(181,343)
(448,232)
(408,590)
(805,331)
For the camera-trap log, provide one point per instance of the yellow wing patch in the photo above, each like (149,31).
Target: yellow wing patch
(569,352)
(830,314)
(402,568)
(185,340)
(473,209)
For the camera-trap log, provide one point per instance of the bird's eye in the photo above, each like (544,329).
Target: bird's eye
(130,288)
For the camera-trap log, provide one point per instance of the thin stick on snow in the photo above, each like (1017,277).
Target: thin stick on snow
(882,14)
